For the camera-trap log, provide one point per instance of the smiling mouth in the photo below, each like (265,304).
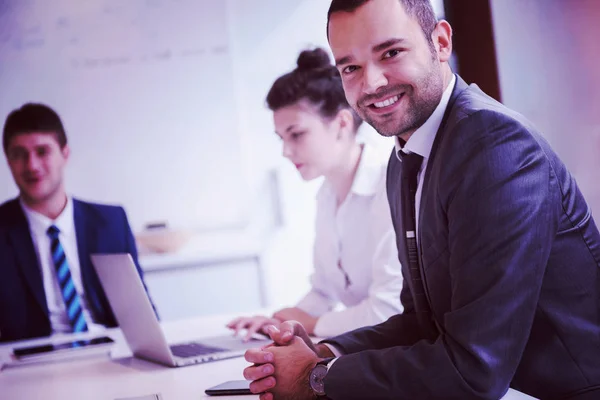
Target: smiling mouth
(386,103)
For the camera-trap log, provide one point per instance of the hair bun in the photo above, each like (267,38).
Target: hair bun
(313,59)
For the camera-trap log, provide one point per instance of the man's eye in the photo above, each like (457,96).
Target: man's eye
(296,135)
(16,155)
(349,69)
(391,53)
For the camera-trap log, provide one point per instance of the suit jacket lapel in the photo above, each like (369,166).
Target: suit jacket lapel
(459,87)
(87,227)
(86,234)
(20,238)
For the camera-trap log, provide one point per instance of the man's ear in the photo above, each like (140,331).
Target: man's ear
(442,40)
(66,152)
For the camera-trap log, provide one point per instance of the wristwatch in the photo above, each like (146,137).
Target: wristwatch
(317,376)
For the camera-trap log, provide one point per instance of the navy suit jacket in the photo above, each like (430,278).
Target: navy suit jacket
(510,259)
(23,308)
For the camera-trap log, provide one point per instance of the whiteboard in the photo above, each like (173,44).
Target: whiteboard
(145,91)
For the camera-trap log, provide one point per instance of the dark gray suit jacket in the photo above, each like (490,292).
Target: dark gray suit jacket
(510,257)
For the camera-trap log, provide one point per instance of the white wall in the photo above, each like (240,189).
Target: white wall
(548,60)
(145,89)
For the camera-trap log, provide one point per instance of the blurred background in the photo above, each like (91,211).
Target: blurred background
(164,106)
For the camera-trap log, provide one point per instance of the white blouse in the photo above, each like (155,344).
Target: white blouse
(355,255)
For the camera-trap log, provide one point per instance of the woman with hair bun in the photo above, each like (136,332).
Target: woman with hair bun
(355,256)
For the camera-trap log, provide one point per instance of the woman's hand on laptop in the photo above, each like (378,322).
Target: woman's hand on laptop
(252,325)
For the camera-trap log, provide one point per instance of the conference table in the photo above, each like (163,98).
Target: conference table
(117,375)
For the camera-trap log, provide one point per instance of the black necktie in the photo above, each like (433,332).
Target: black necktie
(411,163)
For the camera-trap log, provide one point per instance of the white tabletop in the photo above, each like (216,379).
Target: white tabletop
(102,377)
(120,376)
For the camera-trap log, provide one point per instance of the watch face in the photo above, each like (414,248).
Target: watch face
(317,375)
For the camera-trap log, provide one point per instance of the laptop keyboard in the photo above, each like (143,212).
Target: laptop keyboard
(193,350)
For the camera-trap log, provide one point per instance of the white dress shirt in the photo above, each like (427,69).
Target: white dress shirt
(38,227)
(359,236)
(420,142)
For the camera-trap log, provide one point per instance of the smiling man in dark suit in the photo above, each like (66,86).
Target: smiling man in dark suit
(48,284)
(499,251)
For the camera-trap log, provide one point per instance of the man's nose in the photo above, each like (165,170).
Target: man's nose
(374,78)
(33,162)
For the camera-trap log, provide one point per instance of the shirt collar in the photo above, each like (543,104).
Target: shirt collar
(421,141)
(368,172)
(40,223)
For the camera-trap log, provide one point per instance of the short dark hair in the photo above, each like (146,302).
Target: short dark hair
(422,10)
(316,80)
(30,118)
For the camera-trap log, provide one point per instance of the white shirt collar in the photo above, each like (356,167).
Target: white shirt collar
(40,223)
(421,141)
(367,177)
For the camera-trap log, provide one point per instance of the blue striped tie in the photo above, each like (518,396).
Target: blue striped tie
(65,281)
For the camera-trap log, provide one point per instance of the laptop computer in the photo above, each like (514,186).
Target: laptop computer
(139,324)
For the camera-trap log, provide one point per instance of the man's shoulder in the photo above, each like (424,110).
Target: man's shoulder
(8,204)
(474,118)
(108,211)
(476,106)
(9,210)
(476,121)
